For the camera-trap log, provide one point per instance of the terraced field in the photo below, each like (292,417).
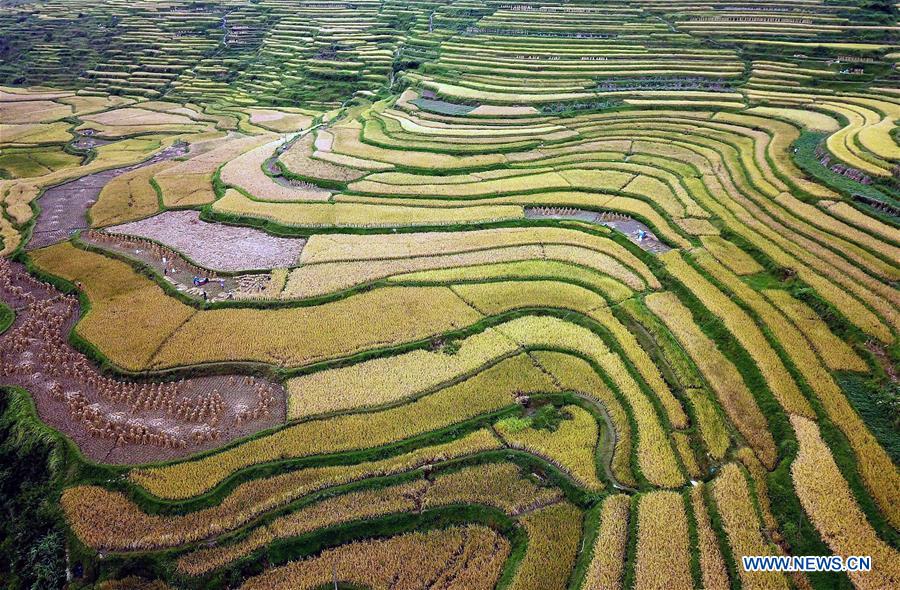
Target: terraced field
(448,294)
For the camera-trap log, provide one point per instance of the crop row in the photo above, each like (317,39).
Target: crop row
(827,499)
(723,377)
(402,562)
(128,528)
(874,463)
(499,485)
(483,393)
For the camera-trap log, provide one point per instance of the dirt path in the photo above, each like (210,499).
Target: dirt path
(611,448)
(271,164)
(608,450)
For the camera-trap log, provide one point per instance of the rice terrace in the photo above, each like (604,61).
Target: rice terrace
(450,294)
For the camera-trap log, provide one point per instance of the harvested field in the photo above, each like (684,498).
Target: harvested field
(214,246)
(186,277)
(117,421)
(64,207)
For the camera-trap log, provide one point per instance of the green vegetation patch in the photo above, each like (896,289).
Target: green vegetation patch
(7,317)
(879,407)
(32,552)
(28,163)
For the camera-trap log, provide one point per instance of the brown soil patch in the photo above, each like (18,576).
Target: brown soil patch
(113,420)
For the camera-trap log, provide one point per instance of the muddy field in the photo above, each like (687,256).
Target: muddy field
(112,420)
(87,140)
(64,207)
(636,231)
(215,246)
